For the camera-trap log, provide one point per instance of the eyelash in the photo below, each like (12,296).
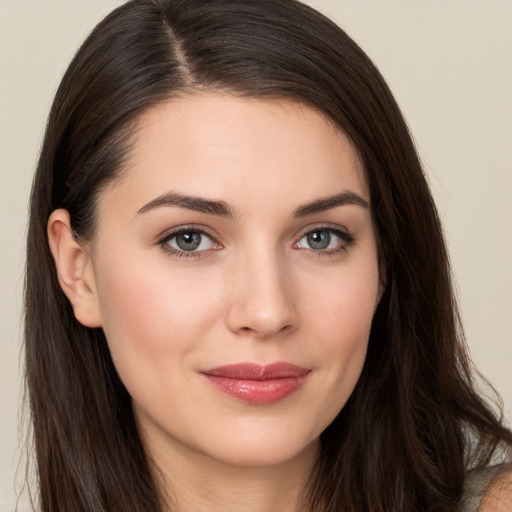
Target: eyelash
(164,240)
(347,240)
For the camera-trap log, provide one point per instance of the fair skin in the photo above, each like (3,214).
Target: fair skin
(279,266)
(498,497)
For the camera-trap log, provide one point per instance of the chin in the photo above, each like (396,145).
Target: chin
(241,449)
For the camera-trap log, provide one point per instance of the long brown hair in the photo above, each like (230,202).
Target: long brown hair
(414,425)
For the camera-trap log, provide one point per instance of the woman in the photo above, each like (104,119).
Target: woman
(245,302)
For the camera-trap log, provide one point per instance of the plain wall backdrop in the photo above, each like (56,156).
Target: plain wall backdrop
(450,67)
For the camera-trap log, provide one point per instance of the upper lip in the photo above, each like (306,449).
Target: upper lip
(255,371)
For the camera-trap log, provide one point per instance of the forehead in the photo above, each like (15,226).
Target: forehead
(224,146)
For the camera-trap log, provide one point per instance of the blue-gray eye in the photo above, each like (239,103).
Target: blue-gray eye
(322,239)
(318,240)
(189,241)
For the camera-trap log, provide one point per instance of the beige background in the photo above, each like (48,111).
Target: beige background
(450,66)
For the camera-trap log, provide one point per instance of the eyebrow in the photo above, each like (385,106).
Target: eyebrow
(327,203)
(194,203)
(223,209)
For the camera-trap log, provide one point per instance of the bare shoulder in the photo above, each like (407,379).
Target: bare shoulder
(498,497)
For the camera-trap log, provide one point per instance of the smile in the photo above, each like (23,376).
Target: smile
(257,384)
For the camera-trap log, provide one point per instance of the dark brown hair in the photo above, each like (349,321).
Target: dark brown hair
(414,424)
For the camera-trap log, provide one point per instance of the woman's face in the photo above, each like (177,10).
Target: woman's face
(236,276)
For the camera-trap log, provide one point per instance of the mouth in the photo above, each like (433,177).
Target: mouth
(257,384)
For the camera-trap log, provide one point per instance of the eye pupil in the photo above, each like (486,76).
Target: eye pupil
(188,241)
(319,239)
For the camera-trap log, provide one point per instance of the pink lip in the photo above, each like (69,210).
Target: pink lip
(257,384)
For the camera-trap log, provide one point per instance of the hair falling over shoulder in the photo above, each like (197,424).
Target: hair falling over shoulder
(415,424)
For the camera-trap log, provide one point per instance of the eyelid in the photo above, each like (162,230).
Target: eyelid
(336,228)
(169,233)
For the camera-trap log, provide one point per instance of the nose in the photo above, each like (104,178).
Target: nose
(263,301)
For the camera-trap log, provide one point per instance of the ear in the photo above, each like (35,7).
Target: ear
(74,269)
(382,282)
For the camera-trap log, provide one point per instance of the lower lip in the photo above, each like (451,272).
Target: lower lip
(258,391)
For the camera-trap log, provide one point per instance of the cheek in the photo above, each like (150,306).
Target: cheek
(150,314)
(344,304)
(343,310)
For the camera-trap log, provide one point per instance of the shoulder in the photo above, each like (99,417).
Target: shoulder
(488,490)
(498,497)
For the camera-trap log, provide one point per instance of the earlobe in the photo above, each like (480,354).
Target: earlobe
(74,269)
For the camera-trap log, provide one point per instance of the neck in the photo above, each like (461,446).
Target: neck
(194,482)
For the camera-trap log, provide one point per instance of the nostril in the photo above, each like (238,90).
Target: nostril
(286,329)
(246,331)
